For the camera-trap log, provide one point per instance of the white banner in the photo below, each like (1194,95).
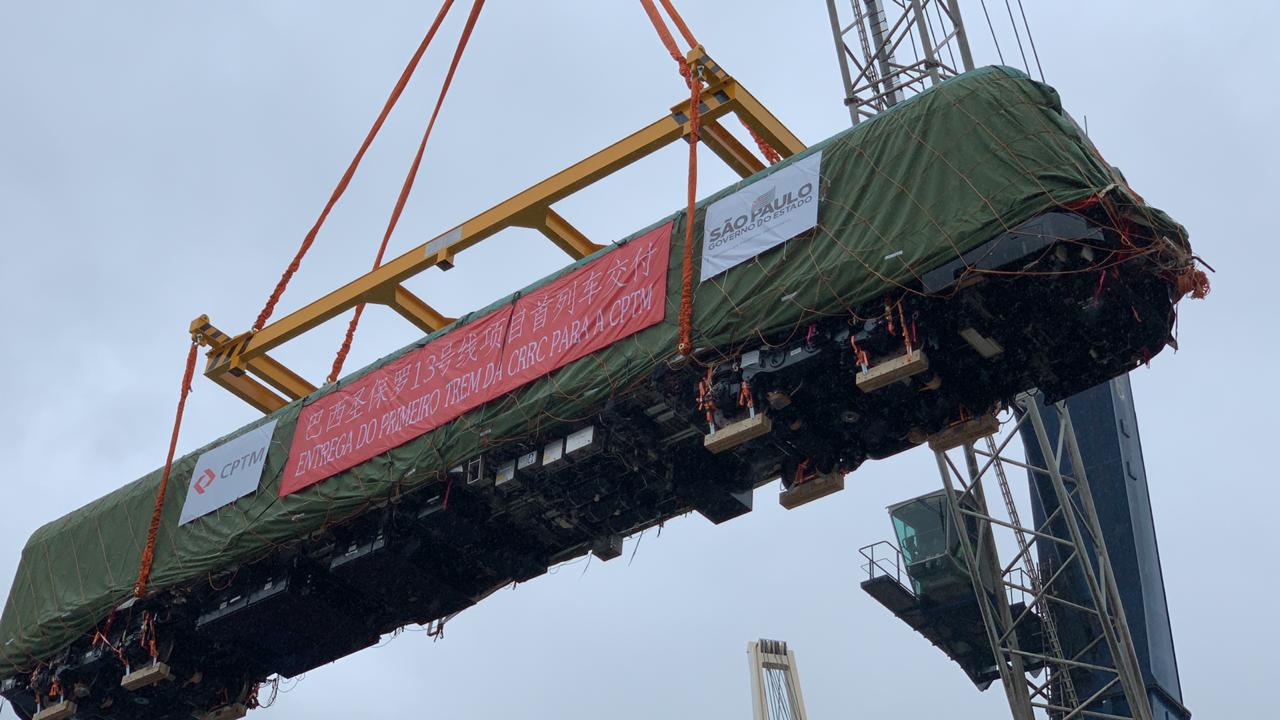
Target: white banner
(764,214)
(227,473)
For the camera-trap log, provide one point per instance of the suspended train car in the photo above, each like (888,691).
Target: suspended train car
(905,275)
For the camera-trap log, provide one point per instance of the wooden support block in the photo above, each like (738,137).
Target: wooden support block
(893,370)
(61,711)
(147,676)
(986,347)
(226,712)
(819,487)
(964,432)
(732,436)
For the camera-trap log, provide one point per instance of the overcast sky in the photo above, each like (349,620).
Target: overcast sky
(159,160)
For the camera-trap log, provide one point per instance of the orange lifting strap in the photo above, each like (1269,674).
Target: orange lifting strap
(408,184)
(684,342)
(351,169)
(148,552)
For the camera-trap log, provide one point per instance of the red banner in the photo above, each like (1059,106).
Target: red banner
(616,295)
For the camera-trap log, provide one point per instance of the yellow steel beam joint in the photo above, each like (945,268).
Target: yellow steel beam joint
(412,308)
(251,391)
(221,368)
(757,117)
(730,150)
(565,236)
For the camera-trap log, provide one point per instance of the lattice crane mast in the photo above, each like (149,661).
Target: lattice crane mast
(1056,623)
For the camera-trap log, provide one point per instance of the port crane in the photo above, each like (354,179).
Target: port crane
(1089,634)
(729,412)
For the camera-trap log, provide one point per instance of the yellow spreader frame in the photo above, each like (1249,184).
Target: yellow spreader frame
(241,363)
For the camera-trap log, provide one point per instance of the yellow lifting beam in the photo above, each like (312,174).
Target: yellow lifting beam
(235,362)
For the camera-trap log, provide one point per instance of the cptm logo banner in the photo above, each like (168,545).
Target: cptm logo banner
(762,215)
(227,473)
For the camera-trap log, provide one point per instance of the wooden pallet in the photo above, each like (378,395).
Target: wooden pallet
(226,712)
(806,492)
(892,370)
(965,432)
(731,436)
(145,677)
(61,711)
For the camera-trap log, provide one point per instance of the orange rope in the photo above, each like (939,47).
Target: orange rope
(906,335)
(770,155)
(745,398)
(765,148)
(345,348)
(351,170)
(684,346)
(705,401)
(684,343)
(860,355)
(665,35)
(1192,281)
(147,638)
(148,553)
(679,23)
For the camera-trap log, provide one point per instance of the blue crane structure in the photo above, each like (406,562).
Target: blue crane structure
(1106,427)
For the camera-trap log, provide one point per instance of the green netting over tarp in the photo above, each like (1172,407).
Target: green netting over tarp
(900,194)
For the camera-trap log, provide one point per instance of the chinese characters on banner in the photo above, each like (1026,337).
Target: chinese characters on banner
(616,295)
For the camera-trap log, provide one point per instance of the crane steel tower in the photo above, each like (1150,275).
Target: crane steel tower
(1087,570)
(876,71)
(775,681)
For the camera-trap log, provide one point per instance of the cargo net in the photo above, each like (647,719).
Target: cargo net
(926,185)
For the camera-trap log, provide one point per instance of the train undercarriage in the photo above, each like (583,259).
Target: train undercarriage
(1061,303)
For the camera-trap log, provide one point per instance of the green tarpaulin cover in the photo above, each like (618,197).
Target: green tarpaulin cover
(901,193)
